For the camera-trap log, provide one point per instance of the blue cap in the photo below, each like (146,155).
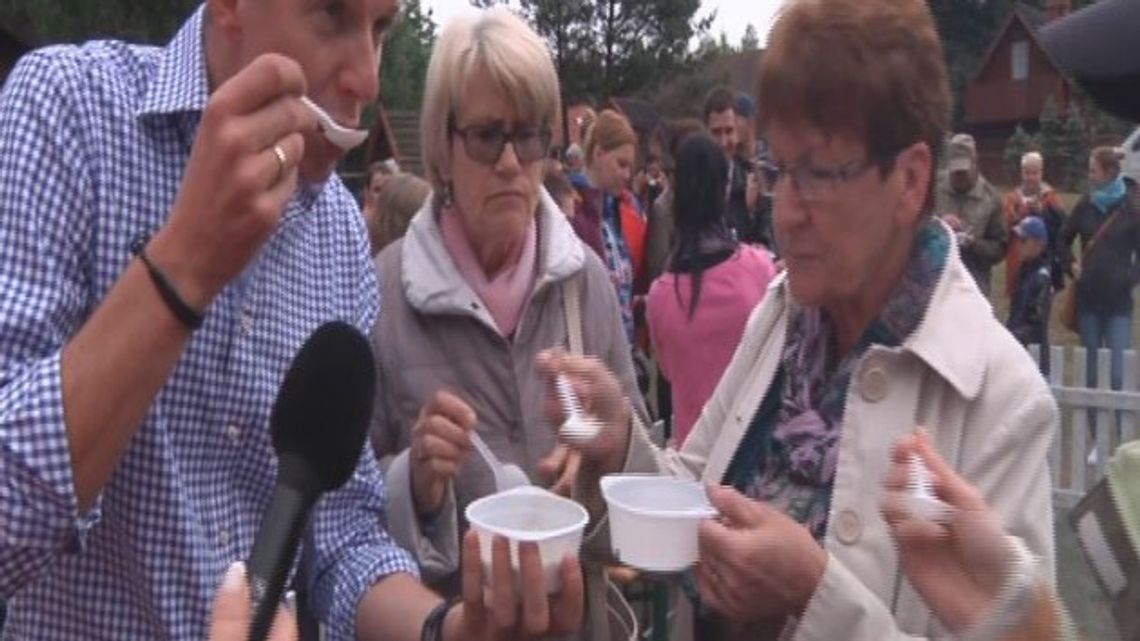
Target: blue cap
(1032,227)
(745,106)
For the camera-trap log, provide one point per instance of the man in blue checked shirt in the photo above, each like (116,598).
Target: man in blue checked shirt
(145,192)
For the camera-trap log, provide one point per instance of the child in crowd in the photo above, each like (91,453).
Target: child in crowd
(1033,293)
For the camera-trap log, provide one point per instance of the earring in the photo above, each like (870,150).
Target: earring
(448,199)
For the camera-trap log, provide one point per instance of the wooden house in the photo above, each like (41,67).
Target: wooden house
(1011,86)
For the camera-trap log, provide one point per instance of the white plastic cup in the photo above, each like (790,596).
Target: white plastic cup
(654,520)
(529,514)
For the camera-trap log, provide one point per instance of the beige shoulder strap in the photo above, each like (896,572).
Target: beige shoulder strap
(572,303)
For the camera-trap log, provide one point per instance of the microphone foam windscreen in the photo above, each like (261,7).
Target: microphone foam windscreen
(323,408)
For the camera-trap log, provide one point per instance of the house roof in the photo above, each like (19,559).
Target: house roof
(1032,19)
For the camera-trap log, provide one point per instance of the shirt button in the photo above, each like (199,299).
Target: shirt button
(848,527)
(873,384)
(247,323)
(223,537)
(234,432)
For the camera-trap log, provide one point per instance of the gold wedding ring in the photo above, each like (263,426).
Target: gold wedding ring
(282,162)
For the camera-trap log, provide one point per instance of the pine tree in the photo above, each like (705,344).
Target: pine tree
(1052,130)
(1074,148)
(750,41)
(1019,144)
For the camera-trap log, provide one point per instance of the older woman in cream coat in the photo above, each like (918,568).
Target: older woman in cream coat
(876,327)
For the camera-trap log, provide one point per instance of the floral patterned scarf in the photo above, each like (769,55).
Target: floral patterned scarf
(795,466)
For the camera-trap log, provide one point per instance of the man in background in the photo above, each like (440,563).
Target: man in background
(721,121)
(972,208)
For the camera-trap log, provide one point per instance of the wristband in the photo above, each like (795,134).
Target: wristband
(189,317)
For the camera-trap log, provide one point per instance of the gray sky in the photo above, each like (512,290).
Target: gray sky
(732,15)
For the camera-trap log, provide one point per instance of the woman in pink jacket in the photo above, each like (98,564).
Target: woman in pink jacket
(698,308)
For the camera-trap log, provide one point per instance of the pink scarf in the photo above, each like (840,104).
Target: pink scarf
(506,293)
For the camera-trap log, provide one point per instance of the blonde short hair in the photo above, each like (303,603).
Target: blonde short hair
(1032,159)
(499,43)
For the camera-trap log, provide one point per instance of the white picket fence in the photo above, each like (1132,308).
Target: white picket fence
(1072,471)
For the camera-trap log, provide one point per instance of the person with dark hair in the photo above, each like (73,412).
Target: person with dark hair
(659,231)
(743,204)
(649,183)
(698,309)
(746,146)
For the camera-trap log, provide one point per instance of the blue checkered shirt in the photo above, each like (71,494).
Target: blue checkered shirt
(93,143)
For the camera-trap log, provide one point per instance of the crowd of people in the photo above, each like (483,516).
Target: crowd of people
(798,288)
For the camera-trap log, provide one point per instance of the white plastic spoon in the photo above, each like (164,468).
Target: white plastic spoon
(578,427)
(507,475)
(342,137)
(920,497)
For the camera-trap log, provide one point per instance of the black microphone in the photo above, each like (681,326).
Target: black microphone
(319,423)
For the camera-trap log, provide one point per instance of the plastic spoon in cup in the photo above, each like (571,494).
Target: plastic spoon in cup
(337,134)
(578,427)
(507,475)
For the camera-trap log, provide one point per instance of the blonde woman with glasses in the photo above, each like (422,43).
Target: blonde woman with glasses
(479,285)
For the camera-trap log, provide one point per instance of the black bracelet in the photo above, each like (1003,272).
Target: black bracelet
(433,624)
(186,314)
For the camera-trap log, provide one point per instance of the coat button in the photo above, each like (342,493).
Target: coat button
(848,527)
(873,384)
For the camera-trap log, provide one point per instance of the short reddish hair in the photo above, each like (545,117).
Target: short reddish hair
(869,68)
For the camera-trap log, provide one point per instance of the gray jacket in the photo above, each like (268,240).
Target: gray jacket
(435,334)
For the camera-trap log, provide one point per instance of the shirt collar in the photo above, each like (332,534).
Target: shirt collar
(947,338)
(181,83)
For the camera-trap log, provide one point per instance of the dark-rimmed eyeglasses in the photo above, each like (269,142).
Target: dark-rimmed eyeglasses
(813,183)
(485,143)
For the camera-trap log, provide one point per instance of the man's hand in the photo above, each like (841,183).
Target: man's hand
(499,612)
(242,172)
(441,439)
(233,612)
